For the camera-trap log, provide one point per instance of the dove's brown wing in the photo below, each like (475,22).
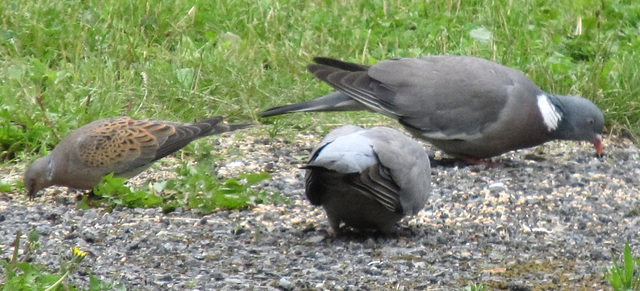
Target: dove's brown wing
(124,145)
(120,144)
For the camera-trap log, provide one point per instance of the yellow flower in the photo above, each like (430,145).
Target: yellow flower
(78,253)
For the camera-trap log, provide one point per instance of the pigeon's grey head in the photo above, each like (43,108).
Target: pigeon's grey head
(38,176)
(582,120)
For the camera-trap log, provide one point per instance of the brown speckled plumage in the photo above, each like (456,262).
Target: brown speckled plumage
(120,145)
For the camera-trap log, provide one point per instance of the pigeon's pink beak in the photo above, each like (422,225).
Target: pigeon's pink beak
(597,143)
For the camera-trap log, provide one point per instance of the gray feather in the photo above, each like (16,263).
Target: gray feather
(335,101)
(379,169)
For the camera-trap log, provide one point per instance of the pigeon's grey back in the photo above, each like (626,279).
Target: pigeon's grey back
(333,156)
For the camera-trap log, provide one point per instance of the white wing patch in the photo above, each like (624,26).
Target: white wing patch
(550,114)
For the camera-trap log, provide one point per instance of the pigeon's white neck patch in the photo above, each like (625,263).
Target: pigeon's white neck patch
(550,115)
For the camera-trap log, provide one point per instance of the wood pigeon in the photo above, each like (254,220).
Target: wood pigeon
(469,107)
(368,179)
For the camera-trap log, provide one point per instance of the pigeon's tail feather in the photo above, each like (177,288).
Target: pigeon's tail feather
(351,67)
(335,101)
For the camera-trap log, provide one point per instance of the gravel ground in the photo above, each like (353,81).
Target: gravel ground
(547,220)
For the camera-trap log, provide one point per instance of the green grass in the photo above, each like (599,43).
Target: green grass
(624,277)
(475,287)
(19,274)
(195,187)
(181,60)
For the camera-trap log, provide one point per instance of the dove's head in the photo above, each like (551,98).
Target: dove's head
(38,176)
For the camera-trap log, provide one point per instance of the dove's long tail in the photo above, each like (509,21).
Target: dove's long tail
(214,125)
(184,133)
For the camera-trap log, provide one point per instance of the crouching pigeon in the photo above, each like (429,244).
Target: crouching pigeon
(468,107)
(121,145)
(368,179)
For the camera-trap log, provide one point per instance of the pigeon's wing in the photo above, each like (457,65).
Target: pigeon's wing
(403,163)
(444,97)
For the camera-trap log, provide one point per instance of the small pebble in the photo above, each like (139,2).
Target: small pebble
(285,284)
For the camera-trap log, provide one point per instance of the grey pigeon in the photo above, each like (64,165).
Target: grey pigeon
(469,107)
(368,179)
(121,145)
